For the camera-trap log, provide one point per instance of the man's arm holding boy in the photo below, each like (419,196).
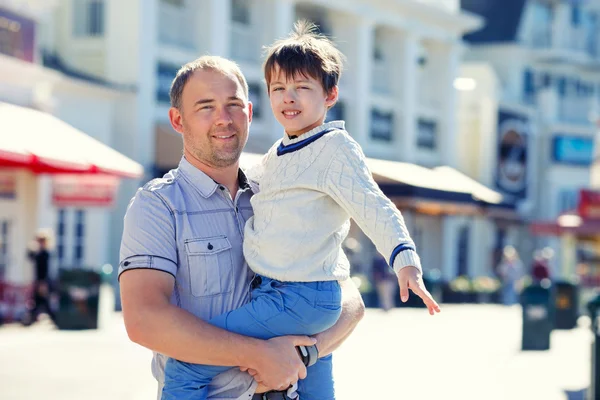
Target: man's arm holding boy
(147,279)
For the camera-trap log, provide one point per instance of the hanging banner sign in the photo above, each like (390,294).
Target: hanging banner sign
(84,190)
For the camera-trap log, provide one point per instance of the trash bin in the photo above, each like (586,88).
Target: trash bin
(79,291)
(594,309)
(537,305)
(566,304)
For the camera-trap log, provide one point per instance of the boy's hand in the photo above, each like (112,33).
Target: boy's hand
(411,278)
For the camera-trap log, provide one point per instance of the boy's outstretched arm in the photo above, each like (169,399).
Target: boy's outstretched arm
(353,310)
(376,215)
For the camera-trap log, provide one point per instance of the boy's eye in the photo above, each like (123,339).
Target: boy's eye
(304,87)
(276,89)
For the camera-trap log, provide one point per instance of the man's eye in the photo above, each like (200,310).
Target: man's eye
(236,105)
(206,107)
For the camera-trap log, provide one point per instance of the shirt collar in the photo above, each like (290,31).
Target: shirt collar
(315,131)
(204,183)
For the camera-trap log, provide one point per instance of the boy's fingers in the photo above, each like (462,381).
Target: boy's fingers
(403,290)
(428,299)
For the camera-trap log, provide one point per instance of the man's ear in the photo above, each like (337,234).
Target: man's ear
(175,119)
(332,97)
(250,111)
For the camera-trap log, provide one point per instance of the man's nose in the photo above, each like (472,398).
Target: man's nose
(224,117)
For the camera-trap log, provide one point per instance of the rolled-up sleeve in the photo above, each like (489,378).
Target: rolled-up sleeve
(148,235)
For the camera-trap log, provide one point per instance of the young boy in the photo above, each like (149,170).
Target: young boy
(308,186)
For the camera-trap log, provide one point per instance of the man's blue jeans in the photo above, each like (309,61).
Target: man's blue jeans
(276,309)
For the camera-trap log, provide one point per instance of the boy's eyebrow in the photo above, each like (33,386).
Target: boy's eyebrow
(294,80)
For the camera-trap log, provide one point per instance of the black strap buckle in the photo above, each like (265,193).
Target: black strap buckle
(271,396)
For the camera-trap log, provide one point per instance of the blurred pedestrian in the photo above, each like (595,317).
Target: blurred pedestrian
(510,271)
(39,254)
(540,269)
(385,282)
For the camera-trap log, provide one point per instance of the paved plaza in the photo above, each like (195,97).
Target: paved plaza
(466,352)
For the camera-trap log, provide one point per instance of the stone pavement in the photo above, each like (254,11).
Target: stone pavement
(466,352)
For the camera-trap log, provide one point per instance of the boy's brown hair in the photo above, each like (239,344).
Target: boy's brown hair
(305,52)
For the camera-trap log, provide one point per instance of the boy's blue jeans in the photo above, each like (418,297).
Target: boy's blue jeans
(276,309)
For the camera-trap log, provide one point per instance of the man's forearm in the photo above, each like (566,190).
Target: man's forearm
(179,334)
(174,332)
(353,309)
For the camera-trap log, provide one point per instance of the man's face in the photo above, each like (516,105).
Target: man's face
(214,118)
(299,104)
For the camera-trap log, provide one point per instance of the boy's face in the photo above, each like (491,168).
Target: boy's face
(299,104)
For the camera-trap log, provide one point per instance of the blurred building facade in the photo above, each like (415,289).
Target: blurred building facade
(41,109)
(528,109)
(396,95)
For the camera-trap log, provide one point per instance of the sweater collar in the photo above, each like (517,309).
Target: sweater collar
(286,141)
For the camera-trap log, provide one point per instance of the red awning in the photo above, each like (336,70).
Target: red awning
(44,144)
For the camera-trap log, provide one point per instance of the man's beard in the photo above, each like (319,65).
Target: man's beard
(222,156)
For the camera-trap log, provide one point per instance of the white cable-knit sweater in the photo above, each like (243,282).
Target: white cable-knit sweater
(309,187)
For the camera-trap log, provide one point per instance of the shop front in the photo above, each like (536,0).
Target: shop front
(579,234)
(56,178)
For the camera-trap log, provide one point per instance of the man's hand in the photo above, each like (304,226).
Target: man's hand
(280,365)
(411,278)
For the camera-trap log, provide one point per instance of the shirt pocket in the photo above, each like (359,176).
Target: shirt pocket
(210,265)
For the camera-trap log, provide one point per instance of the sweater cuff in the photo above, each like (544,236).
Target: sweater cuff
(407,258)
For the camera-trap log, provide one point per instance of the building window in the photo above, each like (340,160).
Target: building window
(567,200)
(382,125)
(79,237)
(4,238)
(462,254)
(255,97)
(427,133)
(60,237)
(240,12)
(176,3)
(243,43)
(89,17)
(529,86)
(575,15)
(335,113)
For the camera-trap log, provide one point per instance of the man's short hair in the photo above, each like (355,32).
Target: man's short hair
(210,63)
(305,52)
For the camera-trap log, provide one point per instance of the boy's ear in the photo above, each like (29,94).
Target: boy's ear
(332,97)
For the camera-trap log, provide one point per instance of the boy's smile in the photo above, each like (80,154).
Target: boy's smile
(299,103)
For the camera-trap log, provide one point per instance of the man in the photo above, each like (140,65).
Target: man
(181,254)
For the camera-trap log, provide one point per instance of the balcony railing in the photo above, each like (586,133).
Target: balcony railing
(176,26)
(244,46)
(380,82)
(575,110)
(574,39)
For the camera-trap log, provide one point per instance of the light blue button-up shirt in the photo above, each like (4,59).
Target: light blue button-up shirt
(187,225)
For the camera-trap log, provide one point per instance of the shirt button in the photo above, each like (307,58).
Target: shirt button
(210,246)
(222,187)
(126,263)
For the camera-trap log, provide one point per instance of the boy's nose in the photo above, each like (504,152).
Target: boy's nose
(288,97)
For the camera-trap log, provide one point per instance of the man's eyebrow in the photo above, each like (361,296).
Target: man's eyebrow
(203,101)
